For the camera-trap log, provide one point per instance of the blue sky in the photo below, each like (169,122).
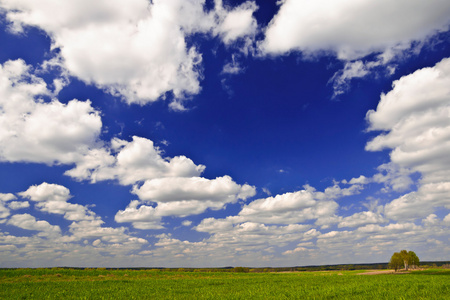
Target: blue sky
(223,133)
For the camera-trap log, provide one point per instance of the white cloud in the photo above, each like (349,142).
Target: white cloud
(141,216)
(420,203)
(46,192)
(18,204)
(251,236)
(52,132)
(7,197)
(34,130)
(85,225)
(266,191)
(92,229)
(28,222)
(362,218)
(233,67)
(52,198)
(431,220)
(134,161)
(298,207)
(221,190)
(178,196)
(134,49)
(425,90)
(414,116)
(359,180)
(353,29)
(341,79)
(256,244)
(290,211)
(45,249)
(281,203)
(186,223)
(237,22)
(447,219)
(393,177)
(4,212)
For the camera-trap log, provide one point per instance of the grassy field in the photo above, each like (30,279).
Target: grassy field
(164,284)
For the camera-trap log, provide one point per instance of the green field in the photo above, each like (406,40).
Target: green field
(170,284)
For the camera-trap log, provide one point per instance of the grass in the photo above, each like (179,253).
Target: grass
(160,284)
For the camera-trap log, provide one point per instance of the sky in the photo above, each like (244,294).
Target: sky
(213,133)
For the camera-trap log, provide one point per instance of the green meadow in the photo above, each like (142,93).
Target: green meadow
(61,283)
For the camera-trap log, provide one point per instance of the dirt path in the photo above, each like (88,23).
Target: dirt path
(377,272)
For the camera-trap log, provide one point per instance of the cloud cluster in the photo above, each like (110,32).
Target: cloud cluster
(4,209)
(137,49)
(52,198)
(352,30)
(28,222)
(177,196)
(47,131)
(86,229)
(415,119)
(35,130)
(132,162)
(258,244)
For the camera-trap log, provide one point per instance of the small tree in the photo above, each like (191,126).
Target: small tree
(413,260)
(403,259)
(396,261)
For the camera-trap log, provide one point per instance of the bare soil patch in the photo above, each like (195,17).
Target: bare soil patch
(377,272)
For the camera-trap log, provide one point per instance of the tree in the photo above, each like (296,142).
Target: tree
(396,261)
(413,260)
(403,259)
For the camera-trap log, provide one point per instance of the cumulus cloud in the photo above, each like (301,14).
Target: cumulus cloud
(93,229)
(28,222)
(4,211)
(132,162)
(7,197)
(137,49)
(221,190)
(52,198)
(352,30)
(359,180)
(18,204)
(261,244)
(178,196)
(447,219)
(296,207)
(186,223)
(34,130)
(420,203)
(414,118)
(47,192)
(362,218)
(85,226)
(393,177)
(280,220)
